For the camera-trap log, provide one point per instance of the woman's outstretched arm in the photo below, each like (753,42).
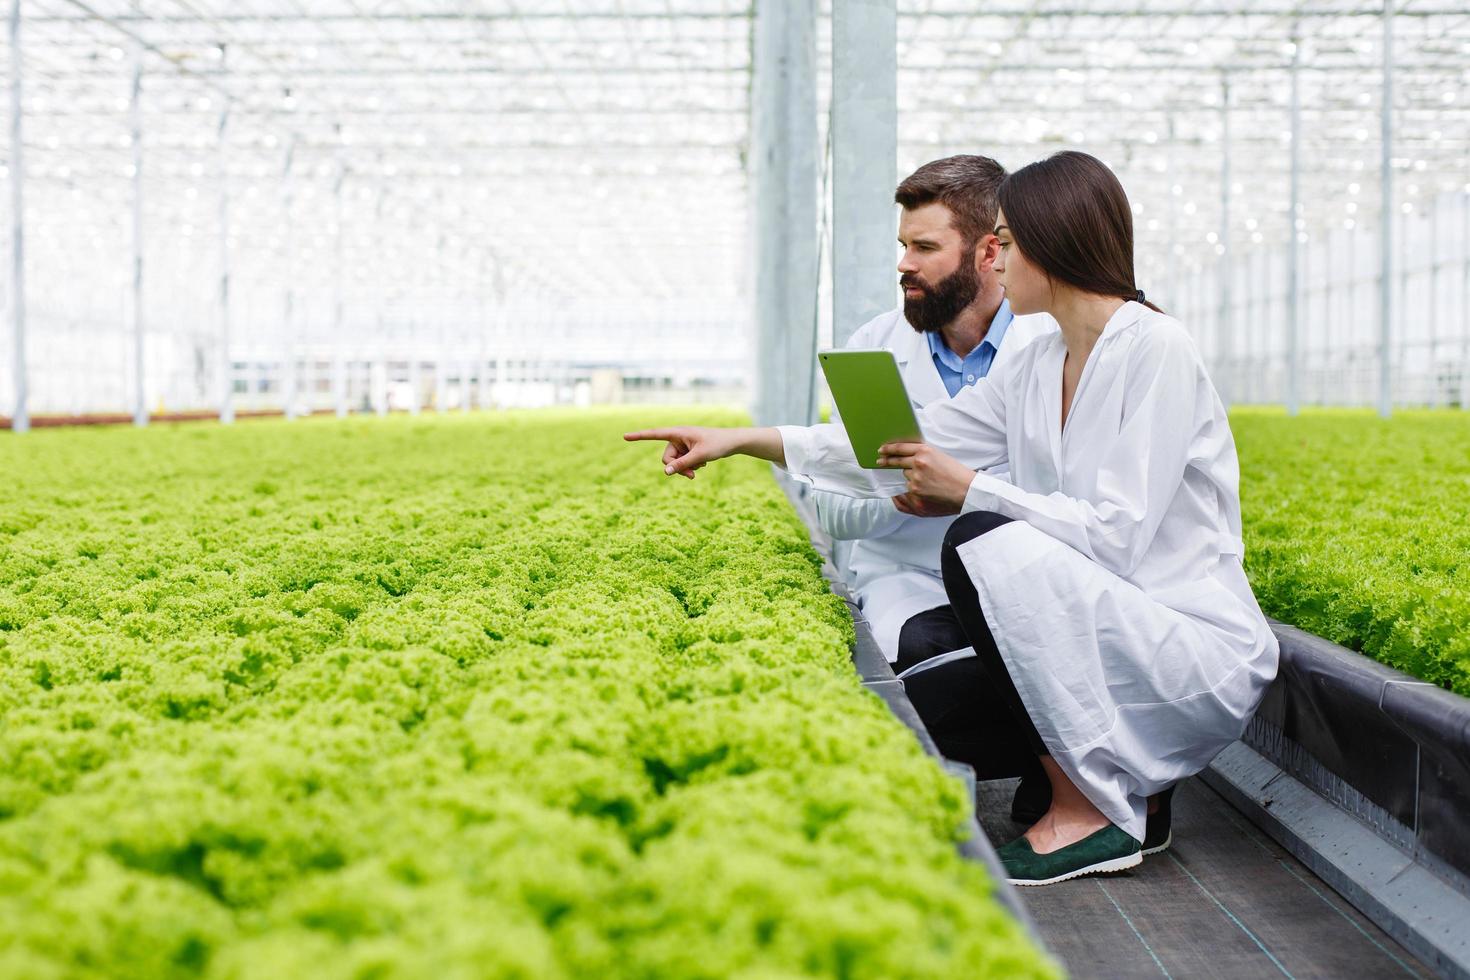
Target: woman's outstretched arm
(691,446)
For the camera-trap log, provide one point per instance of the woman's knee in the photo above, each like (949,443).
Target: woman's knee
(968,527)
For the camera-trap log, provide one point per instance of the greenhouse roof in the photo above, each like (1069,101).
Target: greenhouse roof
(595,151)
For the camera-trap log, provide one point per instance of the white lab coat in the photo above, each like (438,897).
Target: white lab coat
(890,559)
(1116,597)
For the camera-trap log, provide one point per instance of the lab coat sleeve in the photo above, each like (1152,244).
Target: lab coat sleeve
(1138,475)
(853,518)
(821,457)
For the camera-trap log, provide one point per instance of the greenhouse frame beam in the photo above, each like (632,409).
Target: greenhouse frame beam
(288,293)
(139,41)
(1293,241)
(864,161)
(737,72)
(226,362)
(427,17)
(339,370)
(785,171)
(135,132)
(991,12)
(20,419)
(1183,12)
(1225,341)
(1385,234)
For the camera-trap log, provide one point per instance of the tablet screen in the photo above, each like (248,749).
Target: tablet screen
(870,395)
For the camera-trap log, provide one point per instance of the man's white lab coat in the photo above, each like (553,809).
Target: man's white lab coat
(890,559)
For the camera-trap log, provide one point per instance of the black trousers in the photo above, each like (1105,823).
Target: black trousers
(970,706)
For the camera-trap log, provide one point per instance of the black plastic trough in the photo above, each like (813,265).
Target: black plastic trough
(1363,773)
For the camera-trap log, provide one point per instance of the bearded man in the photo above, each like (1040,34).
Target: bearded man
(954,328)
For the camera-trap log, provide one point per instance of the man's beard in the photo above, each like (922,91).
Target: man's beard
(943,301)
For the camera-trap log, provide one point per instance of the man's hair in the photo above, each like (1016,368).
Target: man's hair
(967,185)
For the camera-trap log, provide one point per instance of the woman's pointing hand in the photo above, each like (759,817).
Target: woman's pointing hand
(690,447)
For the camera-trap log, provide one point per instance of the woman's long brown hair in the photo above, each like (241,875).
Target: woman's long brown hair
(1071,218)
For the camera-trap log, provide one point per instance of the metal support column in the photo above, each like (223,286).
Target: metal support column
(482,367)
(466,371)
(20,418)
(379,370)
(415,362)
(785,175)
(288,300)
(864,161)
(441,346)
(1293,240)
(339,371)
(135,125)
(1385,234)
(226,362)
(502,336)
(1465,301)
(1171,260)
(1225,379)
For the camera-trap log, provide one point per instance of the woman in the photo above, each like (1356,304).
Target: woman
(1102,583)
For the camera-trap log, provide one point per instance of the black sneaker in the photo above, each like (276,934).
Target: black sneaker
(1158,834)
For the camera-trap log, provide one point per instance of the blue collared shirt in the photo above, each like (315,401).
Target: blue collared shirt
(958,372)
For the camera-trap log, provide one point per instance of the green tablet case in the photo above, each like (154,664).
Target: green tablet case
(870,395)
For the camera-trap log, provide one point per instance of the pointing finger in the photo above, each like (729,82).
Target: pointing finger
(648,435)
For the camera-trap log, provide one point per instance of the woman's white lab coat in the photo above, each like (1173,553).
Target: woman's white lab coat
(1116,597)
(890,559)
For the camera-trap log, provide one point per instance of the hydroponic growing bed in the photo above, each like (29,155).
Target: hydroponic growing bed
(484,696)
(1357,529)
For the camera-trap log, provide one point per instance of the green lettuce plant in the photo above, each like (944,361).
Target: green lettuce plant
(1358,529)
(484,696)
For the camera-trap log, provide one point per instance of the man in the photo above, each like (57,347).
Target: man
(953,329)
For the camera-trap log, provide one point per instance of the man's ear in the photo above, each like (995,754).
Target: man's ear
(987,253)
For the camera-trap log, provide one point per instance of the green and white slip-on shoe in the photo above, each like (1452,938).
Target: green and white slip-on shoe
(1109,849)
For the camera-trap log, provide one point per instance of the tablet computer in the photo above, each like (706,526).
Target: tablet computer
(870,395)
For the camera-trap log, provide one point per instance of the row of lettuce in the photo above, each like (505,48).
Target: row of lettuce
(482,697)
(1358,530)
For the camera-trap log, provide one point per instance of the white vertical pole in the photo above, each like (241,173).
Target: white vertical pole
(415,381)
(465,373)
(1434,265)
(864,161)
(135,123)
(482,368)
(339,374)
(1293,245)
(501,339)
(1171,260)
(1465,302)
(379,370)
(1226,341)
(226,362)
(441,381)
(288,310)
(20,419)
(1385,237)
(785,172)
